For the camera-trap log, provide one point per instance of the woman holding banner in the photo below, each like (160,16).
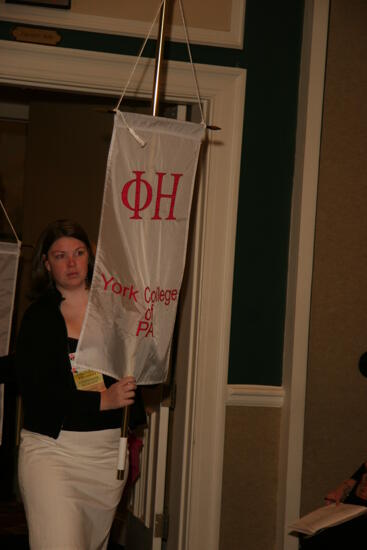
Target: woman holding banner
(69,443)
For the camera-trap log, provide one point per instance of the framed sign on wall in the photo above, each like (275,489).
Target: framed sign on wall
(63,4)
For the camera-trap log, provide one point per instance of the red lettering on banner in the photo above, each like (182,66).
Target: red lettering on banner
(160,195)
(118,288)
(139,205)
(145,327)
(160,295)
(106,283)
(149,313)
(125,199)
(150,330)
(133,293)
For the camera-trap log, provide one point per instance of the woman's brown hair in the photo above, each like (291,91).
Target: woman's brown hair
(41,280)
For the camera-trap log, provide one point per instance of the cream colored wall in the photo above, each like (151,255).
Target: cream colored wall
(250,478)
(336,399)
(206,14)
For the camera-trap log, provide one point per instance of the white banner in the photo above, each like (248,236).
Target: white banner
(9,259)
(141,247)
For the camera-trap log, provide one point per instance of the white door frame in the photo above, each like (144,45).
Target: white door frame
(224,89)
(300,265)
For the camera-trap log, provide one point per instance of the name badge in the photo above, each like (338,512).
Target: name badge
(86,379)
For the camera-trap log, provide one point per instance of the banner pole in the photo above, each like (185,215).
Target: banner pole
(159,57)
(155,105)
(121,462)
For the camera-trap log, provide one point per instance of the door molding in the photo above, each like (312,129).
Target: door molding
(301,252)
(223,88)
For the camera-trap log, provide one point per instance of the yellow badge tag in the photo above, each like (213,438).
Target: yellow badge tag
(87,379)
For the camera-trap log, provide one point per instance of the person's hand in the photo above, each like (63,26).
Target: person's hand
(118,395)
(341,492)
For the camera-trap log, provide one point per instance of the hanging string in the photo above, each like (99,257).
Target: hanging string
(141,52)
(191,61)
(11,225)
(139,56)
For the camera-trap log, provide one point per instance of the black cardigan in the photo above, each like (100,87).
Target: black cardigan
(43,368)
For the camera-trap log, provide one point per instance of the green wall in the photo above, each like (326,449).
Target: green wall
(273,35)
(271,55)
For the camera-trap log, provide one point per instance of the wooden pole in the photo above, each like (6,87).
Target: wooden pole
(159,58)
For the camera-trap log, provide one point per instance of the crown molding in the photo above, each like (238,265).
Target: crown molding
(49,17)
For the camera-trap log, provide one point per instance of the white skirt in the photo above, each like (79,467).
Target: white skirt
(69,488)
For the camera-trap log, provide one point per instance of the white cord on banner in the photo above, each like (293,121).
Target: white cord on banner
(139,56)
(132,132)
(191,61)
(11,225)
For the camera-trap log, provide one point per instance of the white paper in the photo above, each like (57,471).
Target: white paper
(327,516)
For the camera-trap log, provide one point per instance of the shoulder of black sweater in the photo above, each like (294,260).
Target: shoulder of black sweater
(42,321)
(48,301)
(50,298)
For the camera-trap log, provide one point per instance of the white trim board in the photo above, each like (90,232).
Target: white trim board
(240,395)
(223,89)
(301,250)
(49,17)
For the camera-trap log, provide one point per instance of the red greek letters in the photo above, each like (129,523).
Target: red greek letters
(160,195)
(143,194)
(125,199)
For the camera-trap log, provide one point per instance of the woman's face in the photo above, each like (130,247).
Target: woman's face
(67,261)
